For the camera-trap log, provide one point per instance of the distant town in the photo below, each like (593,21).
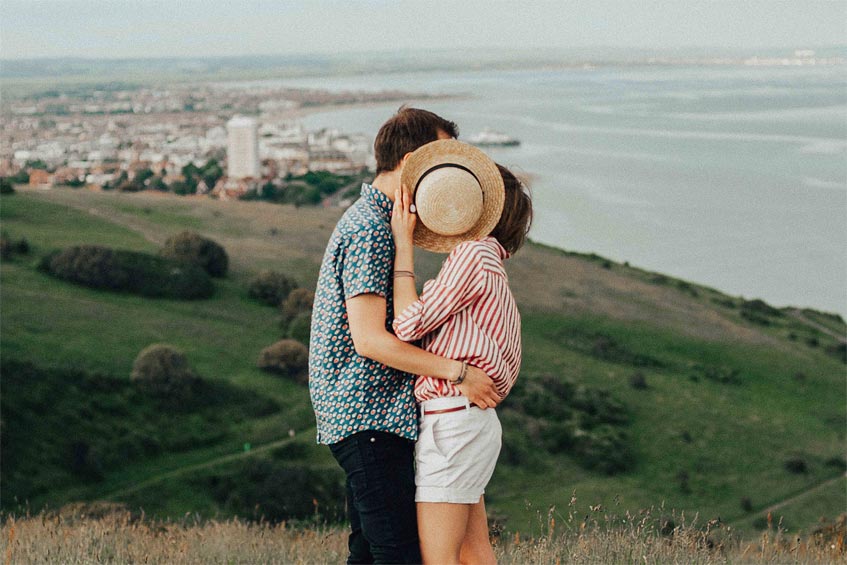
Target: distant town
(206,139)
(220,138)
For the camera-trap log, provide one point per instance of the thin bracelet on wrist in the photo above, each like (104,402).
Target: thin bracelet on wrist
(461,378)
(404,274)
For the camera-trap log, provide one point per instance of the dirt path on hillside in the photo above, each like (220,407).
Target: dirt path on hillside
(195,467)
(798,315)
(128,221)
(794,497)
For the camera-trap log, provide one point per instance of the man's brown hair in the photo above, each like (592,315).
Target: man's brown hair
(404,132)
(516,219)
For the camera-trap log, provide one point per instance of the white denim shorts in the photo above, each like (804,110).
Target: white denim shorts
(456,451)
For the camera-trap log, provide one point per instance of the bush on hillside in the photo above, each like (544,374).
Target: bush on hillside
(838,350)
(286,357)
(191,247)
(6,186)
(271,287)
(545,397)
(638,381)
(128,271)
(163,371)
(605,449)
(8,247)
(300,301)
(265,490)
(838,462)
(84,461)
(578,420)
(597,406)
(796,465)
(759,312)
(300,328)
(718,374)
(22,246)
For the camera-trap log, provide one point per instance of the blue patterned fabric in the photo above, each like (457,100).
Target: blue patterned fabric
(351,393)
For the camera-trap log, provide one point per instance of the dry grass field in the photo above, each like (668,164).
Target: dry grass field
(107,534)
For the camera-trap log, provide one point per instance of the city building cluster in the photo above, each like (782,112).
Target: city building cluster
(210,139)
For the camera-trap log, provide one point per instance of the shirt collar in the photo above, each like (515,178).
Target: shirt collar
(377,200)
(500,249)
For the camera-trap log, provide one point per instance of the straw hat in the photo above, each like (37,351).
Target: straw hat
(457,191)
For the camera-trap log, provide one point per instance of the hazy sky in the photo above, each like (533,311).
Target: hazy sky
(158,28)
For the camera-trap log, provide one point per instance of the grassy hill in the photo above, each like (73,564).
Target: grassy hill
(720,405)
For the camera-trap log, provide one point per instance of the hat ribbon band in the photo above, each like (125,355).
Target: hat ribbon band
(443,165)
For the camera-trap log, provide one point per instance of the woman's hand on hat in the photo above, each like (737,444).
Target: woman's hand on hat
(403,219)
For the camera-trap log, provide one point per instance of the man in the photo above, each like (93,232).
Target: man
(361,377)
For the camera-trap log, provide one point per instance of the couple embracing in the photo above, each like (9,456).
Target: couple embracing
(404,386)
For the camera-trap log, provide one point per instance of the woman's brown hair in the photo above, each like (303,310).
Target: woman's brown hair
(516,219)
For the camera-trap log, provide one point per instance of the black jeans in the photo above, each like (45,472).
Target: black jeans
(380,497)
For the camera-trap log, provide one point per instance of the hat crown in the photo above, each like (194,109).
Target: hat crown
(449,200)
(466,180)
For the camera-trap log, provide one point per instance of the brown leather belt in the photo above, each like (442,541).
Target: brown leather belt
(444,410)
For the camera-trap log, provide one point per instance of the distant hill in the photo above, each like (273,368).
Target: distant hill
(637,389)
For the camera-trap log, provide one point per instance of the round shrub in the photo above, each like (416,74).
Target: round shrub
(300,327)
(191,247)
(22,246)
(271,287)
(638,381)
(163,371)
(796,465)
(89,265)
(605,449)
(129,271)
(598,407)
(298,302)
(286,357)
(548,397)
(85,461)
(559,436)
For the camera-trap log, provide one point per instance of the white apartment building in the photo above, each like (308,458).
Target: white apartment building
(242,148)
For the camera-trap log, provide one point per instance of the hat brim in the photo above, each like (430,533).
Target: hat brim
(451,151)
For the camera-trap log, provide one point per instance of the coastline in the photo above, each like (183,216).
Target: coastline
(304,111)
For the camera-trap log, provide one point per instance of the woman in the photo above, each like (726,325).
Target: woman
(466,313)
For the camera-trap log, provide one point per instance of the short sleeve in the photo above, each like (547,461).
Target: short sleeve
(366,261)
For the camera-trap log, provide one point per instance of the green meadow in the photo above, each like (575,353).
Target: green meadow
(726,407)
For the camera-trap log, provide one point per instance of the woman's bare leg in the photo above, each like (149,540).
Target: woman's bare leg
(442,527)
(476,547)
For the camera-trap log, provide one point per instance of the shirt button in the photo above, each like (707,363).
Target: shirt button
(373,440)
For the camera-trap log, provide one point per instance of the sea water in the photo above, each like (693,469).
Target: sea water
(730,176)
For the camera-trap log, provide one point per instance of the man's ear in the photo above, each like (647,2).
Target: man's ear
(403,160)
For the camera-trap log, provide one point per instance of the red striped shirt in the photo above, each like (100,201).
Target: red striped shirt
(467,313)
